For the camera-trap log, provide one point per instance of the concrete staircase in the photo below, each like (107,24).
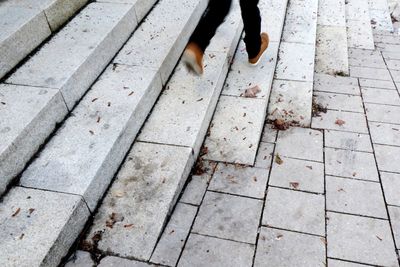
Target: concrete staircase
(103,124)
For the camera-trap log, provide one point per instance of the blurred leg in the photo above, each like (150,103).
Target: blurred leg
(252,26)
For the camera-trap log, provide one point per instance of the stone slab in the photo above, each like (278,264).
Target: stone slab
(27,117)
(86,152)
(295,210)
(353,122)
(357,10)
(387,156)
(336,84)
(284,248)
(383,113)
(347,140)
(391,55)
(238,180)
(80,259)
(331,50)
(173,239)
(142,7)
(300,143)
(388,47)
(184,110)
(395,75)
(391,187)
(264,155)
(308,175)
(385,134)
(332,13)
(296,62)
(377,84)
(359,34)
(29,217)
(215,252)
(22,30)
(352,164)
(140,199)
(269,133)
(121,262)
(381,19)
(300,22)
(370,61)
(355,197)
(272,18)
(343,102)
(393,64)
(339,263)
(370,73)
(235,130)
(394,213)
(166,40)
(229,217)
(291,101)
(380,96)
(371,240)
(90,40)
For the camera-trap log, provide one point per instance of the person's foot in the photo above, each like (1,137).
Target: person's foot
(193,58)
(264,45)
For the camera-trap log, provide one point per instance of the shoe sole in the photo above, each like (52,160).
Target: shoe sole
(189,58)
(261,57)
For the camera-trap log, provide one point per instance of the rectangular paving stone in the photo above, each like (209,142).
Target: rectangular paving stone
(27,116)
(377,84)
(295,210)
(371,61)
(336,84)
(29,217)
(393,64)
(391,55)
(142,7)
(238,180)
(139,200)
(269,133)
(331,43)
(91,39)
(173,239)
(383,113)
(340,102)
(116,261)
(229,217)
(300,22)
(394,213)
(388,39)
(385,134)
(299,175)
(347,140)
(370,240)
(391,187)
(301,143)
(22,30)
(364,54)
(370,73)
(264,155)
(339,263)
(356,9)
(395,75)
(215,252)
(272,18)
(332,13)
(381,18)
(359,34)
(87,151)
(352,164)
(387,156)
(296,62)
(380,96)
(388,47)
(284,248)
(80,259)
(235,130)
(291,101)
(355,197)
(166,40)
(333,120)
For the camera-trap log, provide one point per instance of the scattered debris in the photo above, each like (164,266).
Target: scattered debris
(16,212)
(278,159)
(317,109)
(380,239)
(280,124)
(128,225)
(252,91)
(94,99)
(294,185)
(340,122)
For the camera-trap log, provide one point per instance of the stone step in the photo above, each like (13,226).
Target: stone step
(237,124)
(55,78)
(81,159)
(380,15)
(150,181)
(358,21)
(291,95)
(331,47)
(26,24)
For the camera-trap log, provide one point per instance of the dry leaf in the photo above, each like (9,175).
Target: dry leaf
(295,185)
(31,210)
(278,159)
(128,225)
(310,167)
(278,237)
(252,91)
(340,122)
(16,212)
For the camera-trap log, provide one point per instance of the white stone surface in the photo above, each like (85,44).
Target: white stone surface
(86,152)
(385,156)
(142,7)
(336,84)
(383,113)
(332,13)
(391,187)
(264,155)
(38,227)
(141,197)
(380,15)
(22,30)
(235,130)
(353,122)
(173,239)
(273,17)
(80,259)
(164,34)
(343,102)
(347,140)
(291,101)
(380,96)
(27,117)
(76,55)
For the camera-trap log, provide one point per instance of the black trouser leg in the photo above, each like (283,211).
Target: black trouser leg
(252,26)
(213,17)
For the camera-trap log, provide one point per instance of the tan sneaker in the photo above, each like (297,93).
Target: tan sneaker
(264,45)
(193,58)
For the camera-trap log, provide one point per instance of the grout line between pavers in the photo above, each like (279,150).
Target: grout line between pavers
(348,261)
(296,190)
(223,238)
(292,231)
(358,215)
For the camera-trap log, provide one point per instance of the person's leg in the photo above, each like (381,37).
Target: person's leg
(252,26)
(213,17)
